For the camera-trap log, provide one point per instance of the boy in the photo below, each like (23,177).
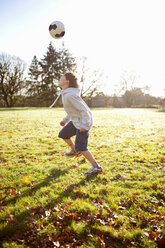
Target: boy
(79,119)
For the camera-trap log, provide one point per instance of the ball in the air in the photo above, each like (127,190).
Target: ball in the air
(57,29)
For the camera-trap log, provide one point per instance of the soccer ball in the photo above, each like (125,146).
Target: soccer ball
(57,29)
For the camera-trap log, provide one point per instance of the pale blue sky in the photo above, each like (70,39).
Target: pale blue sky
(115,35)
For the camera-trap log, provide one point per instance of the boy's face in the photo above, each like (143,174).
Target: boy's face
(63,83)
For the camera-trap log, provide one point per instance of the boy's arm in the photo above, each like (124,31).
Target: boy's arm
(66,119)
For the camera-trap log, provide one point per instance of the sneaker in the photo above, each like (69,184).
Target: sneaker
(94,171)
(72,153)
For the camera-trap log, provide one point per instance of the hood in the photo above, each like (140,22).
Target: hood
(74,91)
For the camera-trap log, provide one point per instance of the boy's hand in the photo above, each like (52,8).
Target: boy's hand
(82,130)
(62,124)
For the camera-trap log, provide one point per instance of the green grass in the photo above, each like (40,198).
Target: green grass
(47,202)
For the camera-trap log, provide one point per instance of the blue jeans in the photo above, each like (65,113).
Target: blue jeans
(81,141)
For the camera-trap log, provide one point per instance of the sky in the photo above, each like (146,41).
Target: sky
(114,35)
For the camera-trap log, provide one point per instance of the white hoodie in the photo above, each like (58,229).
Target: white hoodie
(76,109)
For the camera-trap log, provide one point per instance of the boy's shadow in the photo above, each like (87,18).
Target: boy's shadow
(69,190)
(53,175)
(21,218)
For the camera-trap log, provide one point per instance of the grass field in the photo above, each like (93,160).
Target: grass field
(47,202)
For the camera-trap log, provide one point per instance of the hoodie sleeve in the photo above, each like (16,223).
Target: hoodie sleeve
(66,119)
(84,113)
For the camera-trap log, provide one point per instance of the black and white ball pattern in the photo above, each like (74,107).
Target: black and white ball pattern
(57,29)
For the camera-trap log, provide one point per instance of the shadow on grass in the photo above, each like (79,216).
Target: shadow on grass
(161,110)
(69,190)
(20,222)
(20,109)
(25,228)
(29,108)
(54,174)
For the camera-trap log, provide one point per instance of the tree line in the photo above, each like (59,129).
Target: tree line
(39,85)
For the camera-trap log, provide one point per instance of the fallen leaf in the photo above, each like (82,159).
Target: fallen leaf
(122,208)
(12,191)
(154,186)
(56,244)
(26,179)
(74,165)
(161,240)
(47,213)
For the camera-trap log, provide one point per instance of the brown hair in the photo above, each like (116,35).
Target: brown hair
(72,80)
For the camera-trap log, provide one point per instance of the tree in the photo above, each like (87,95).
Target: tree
(67,61)
(12,79)
(33,82)
(133,97)
(45,74)
(90,80)
(128,80)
